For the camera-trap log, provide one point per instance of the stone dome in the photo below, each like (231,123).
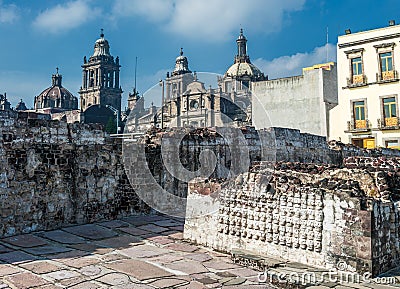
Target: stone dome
(56,96)
(21,106)
(244,69)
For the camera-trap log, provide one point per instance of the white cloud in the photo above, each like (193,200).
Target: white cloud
(65,17)
(211,20)
(292,65)
(8,13)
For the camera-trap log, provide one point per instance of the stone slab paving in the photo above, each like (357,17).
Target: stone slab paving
(25,241)
(8,270)
(120,242)
(140,270)
(91,231)
(81,262)
(114,224)
(15,257)
(25,280)
(41,267)
(153,228)
(90,248)
(135,231)
(162,240)
(188,267)
(139,252)
(62,237)
(47,250)
(4,249)
(169,283)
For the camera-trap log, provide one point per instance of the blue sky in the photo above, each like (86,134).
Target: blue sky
(283,36)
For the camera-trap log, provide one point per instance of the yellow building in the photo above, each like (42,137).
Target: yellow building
(368,88)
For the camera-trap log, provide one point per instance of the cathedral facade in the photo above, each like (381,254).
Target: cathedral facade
(187,102)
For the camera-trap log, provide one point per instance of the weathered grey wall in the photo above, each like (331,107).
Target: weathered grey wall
(53,174)
(298,102)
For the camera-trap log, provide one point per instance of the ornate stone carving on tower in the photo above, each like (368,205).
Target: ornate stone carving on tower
(100,83)
(176,84)
(180,77)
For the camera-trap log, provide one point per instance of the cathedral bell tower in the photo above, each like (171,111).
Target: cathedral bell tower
(176,84)
(178,80)
(100,83)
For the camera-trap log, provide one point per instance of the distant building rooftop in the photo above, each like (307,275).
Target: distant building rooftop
(325,66)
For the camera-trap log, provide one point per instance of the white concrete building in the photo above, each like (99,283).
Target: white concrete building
(368,88)
(300,102)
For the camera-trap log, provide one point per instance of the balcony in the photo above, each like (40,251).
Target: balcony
(358,126)
(389,123)
(357,80)
(387,76)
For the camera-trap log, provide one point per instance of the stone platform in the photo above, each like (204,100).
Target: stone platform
(137,252)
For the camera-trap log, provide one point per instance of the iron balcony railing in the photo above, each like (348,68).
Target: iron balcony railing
(389,123)
(387,76)
(358,125)
(357,80)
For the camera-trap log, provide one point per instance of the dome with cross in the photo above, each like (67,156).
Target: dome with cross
(56,96)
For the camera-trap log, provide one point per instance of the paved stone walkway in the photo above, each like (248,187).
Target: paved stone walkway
(136,252)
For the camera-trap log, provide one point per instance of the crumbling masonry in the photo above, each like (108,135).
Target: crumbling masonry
(54,174)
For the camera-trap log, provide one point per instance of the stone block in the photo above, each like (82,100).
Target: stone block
(25,280)
(139,269)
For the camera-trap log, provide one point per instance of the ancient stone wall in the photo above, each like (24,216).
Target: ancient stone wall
(384,211)
(321,215)
(272,145)
(53,174)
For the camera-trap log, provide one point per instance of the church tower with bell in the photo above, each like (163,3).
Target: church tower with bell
(100,81)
